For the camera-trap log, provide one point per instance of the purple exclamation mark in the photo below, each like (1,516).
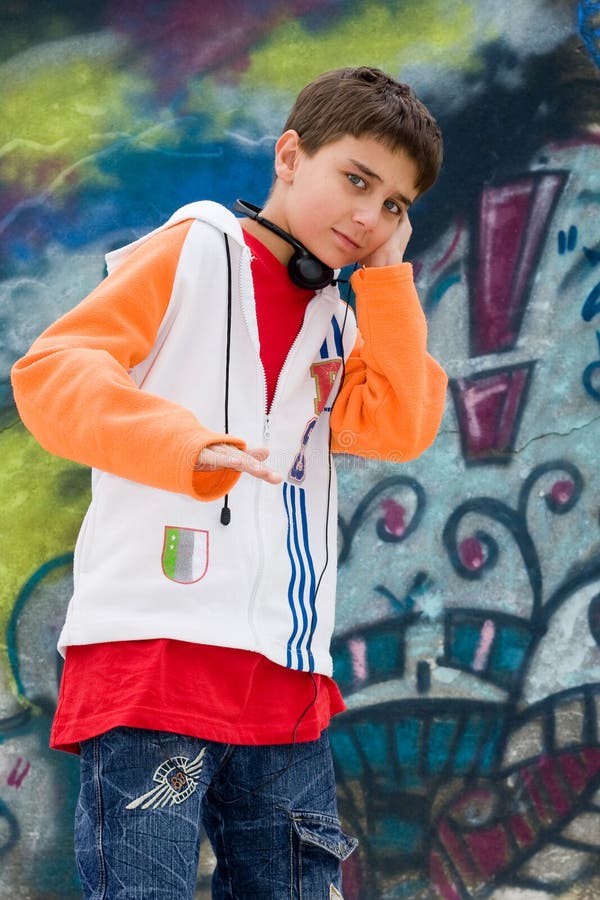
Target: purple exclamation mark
(509,235)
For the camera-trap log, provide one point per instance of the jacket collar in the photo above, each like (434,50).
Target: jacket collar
(204,210)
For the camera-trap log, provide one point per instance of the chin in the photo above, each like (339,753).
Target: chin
(338,260)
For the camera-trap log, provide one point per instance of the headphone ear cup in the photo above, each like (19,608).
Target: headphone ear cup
(304,269)
(308,272)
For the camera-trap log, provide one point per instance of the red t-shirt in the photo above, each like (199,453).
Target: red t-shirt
(215,693)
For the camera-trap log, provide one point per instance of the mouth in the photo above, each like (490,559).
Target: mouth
(346,241)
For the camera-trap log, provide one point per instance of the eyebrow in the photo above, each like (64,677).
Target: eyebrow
(366,171)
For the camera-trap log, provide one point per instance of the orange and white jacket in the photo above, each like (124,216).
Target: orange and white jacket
(132,383)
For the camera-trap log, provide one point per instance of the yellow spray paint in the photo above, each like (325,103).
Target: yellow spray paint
(55,116)
(38,520)
(388,36)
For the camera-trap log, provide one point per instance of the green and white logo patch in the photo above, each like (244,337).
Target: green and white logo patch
(185,554)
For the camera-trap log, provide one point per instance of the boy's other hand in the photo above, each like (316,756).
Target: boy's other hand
(392,252)
(227,456)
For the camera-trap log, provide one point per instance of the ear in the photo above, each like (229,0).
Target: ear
(287,153)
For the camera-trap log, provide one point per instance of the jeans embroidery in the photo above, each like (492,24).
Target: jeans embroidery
(176,779)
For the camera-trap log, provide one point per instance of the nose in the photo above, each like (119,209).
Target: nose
(367,216)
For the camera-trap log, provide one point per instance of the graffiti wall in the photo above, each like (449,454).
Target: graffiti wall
(468,632)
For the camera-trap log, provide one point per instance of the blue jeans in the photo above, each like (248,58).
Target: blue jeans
(269,811)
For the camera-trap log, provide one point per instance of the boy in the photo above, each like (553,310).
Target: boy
(197,682)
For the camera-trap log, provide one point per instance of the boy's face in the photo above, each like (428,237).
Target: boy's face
(346,200)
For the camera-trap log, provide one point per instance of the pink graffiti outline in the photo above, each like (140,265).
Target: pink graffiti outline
(451,248)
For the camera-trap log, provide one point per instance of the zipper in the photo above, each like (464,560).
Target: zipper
(260,562)
(245,289)
(247,295)
(260,485)
(307,316)
(267,413)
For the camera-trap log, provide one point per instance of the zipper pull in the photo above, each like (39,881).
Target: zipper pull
(267,428)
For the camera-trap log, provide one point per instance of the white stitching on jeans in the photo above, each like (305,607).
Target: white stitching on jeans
(99,817)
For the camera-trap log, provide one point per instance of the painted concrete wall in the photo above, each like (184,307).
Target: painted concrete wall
(468,631)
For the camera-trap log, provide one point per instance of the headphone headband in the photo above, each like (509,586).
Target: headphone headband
(305,269)
(254,212)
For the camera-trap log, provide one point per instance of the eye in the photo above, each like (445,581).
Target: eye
(393,207)
(356,180)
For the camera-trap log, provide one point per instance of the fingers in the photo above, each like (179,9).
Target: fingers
(226,456)
(404,234)
(392,251)
(259,453)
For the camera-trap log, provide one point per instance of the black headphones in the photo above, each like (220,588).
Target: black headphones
(304,269)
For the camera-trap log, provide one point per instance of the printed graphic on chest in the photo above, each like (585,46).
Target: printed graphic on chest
(324,374)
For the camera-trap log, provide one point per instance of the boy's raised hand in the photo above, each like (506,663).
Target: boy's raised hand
(392,252)
(227,456)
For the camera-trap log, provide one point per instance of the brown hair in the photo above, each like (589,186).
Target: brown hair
(365,101)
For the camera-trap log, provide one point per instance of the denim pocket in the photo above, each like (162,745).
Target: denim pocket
(323,832)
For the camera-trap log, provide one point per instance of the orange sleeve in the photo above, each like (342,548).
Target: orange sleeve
(392,398)
(74,393)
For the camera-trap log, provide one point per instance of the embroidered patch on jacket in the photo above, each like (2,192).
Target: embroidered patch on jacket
(185,554)
(176,779)
(334,894)
(324,373)
(298,467)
